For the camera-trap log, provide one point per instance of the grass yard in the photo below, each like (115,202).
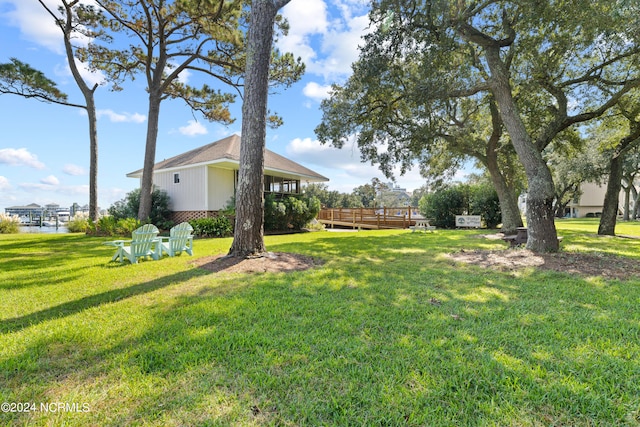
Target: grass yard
(388,332)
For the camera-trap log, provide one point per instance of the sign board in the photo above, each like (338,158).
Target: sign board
(468,221)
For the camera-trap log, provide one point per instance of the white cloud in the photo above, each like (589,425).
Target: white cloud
(20,157)
(343,166)
(51,190)
(316,92)
(194,128)
(50,180)
(37,25)
(74,170)
(313,152)
(4,183)
(29,186)
(75,190)
(108,196)
(328,45)
(122,117)
(91,78)
(184,76)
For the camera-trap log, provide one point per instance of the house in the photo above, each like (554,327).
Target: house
(588,205)
(203,181)
(30,211)
(591,201)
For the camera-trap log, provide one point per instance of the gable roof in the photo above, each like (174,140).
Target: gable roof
(226,153)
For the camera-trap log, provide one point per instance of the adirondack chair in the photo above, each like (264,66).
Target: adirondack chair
(180,239)
(144,242)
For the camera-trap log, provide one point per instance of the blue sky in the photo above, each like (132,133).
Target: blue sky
(44,148)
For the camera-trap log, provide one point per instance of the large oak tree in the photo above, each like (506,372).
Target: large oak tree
(548,66)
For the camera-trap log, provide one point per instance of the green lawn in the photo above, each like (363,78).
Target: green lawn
(356,341)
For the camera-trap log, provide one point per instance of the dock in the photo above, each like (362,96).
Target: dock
(369,218)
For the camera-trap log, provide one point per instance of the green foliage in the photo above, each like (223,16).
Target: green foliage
(291,213)
(79,223)
(443,205)
(128,208)
(110,226)
(332,198)
(462,199)
(9,224)
(218,226)
(18,78)
(483,201)
(366,194)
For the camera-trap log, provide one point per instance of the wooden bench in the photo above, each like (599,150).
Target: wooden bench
(422,225)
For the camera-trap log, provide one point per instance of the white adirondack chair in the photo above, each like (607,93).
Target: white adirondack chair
(180,240)
(144,243)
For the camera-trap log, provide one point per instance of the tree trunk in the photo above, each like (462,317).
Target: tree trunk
(146,184)
(510,212)
(542,235)
(627,203)
(89,96)
(511,217)
(607,225)
(93,158)
(248,236)
(636,199)
(609,216)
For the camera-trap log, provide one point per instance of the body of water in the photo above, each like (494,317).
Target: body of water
(37,229)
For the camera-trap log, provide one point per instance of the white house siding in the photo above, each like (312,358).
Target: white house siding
(221,188)
(592,200)
(185,195)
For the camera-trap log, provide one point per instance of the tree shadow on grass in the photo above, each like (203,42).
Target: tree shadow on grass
(368,339)
(76,306)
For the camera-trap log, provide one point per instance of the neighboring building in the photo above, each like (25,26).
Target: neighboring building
(31,211)
(591,201)
(35,212)
(588,204)
(202,181)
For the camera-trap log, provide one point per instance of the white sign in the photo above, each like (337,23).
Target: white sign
(468,221)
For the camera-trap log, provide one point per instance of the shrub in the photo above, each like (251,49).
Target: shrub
(128,208)
(110,226)
(483,201)
(79,223)
(125,226)
(275,213)
(443,205)
(219,226)
(291,213)
(462,199)
(9,224)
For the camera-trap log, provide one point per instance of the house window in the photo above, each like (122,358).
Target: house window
(176,178)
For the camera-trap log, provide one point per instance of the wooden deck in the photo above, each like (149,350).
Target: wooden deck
(381,218)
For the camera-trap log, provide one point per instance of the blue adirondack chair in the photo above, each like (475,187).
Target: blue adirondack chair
(180,240)
(144,243)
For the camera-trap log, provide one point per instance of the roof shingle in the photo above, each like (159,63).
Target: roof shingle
(229,149)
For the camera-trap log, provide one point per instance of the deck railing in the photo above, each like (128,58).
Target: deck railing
(386,217)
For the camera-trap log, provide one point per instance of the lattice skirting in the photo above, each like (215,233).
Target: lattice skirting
(182,216)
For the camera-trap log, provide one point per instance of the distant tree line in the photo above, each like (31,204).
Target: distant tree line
(372,195)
